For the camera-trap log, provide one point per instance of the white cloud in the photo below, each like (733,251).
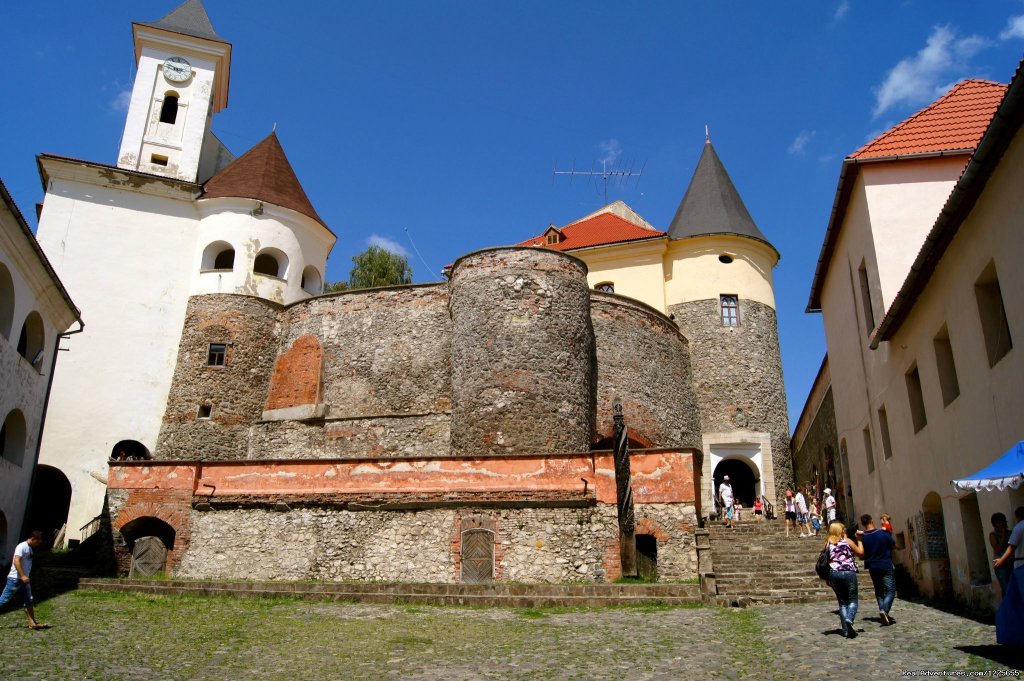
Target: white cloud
(389,245)
(121,100)
(611,150)
(1014,28)
(799,145)
(841,11)
(921,78)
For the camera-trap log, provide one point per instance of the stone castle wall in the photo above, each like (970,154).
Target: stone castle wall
(235,392)
(737,375)
(643,360)
(523,364)
(555,545)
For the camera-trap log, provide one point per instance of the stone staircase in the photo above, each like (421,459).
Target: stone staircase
(756,563)
(490,595)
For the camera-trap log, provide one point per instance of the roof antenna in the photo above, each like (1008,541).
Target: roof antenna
(274,129)
(707,135)
(409,234)
(607,172)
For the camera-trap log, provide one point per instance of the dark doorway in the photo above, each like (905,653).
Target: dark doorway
(741,477)
(647,557)
(49,502)
(477,556)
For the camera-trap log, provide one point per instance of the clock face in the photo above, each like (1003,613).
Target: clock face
(177,69)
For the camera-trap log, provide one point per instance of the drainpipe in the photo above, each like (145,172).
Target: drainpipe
(42,422)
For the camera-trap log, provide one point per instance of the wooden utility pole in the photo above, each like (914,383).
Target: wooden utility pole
(624,495)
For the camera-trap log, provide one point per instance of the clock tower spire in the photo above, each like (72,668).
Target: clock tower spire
(181,81)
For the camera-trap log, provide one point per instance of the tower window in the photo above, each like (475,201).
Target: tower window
(205,410)
(605,287)
(725,258)
(216,354)
(730,305)
(169,110)
(158,160)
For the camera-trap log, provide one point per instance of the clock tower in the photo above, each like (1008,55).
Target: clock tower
(182,80)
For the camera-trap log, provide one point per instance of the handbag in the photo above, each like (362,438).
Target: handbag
(821,566)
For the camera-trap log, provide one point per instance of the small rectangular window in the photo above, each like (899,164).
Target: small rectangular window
(730,310)
(868,451)
(865,298)
(916,396)
(204,411)
(216,355)
(883,424)
(946,367)
(993,315)
(158,160)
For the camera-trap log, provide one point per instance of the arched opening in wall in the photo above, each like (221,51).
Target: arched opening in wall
(30,343)
(49,502)
(312,282)
(130,450)
(169,109)
(271,262)
(647,557)
(932,547)
(743,477)
(13,437)
(6,302)
(477,556)
(635,439)
(974,541)
(149,540)
(219,255)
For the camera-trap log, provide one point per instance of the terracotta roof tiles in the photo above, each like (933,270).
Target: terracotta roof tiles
(955,122)
(597,230)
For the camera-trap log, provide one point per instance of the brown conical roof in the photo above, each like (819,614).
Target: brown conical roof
(262,173)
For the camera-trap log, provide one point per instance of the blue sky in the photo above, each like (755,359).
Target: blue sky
(439,123)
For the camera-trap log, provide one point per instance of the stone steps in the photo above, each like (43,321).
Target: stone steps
(489,595)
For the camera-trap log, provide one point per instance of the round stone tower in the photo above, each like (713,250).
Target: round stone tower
(724,303)
(523,362)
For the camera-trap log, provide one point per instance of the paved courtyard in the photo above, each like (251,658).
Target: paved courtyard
(127,636)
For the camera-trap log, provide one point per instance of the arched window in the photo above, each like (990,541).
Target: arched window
(30,344)
(6,302)
(169,110)
(219,255)
(312,283)
(271,262)
(12,437)
(606,287)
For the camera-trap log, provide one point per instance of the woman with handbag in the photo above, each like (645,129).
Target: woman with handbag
(843,576)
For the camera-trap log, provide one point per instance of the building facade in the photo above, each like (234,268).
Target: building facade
(919,289)
(35,312)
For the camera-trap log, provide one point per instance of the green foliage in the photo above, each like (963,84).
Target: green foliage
(335,286)
(376,267)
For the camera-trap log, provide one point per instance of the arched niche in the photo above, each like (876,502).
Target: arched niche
(49,502)
(13,437)
(32,339)
(312,282)
(6,302)
(271,262)
(130,450)
(219,255)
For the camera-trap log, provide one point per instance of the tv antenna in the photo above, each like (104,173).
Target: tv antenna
(608,173)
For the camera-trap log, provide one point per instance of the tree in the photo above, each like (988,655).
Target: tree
(377,267)
(335,286)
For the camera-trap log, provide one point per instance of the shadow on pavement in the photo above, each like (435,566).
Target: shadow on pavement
(1011,656)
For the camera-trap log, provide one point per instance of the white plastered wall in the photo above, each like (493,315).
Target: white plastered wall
(251,226)
(693,270)
(976,427)
(128,255)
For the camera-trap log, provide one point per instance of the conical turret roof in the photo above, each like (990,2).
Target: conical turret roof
(712,205)
(189,18)
(262,173)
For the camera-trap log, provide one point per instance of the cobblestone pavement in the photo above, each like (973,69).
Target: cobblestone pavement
(127,636)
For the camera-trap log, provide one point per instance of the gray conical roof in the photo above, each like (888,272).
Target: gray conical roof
(189,18)
(712,205)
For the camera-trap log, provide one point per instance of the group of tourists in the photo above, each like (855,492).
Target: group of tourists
(807,512)
(874,545)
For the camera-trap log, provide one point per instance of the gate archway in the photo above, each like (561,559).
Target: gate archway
(49,502)
(149,540)
(743,478)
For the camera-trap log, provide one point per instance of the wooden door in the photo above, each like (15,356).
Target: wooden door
(148,557)
(477,556)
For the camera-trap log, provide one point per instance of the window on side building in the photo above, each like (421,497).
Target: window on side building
(946,367)
(993,315)
(916,397)
(865,297)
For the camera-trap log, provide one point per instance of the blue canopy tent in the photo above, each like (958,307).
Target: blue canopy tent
(1006,472)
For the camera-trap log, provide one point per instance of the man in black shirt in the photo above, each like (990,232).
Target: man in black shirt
(878,545)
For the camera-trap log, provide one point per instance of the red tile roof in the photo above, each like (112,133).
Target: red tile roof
(599,230)
(955,122)
(262,173)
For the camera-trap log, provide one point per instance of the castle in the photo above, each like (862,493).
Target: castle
(240,423)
